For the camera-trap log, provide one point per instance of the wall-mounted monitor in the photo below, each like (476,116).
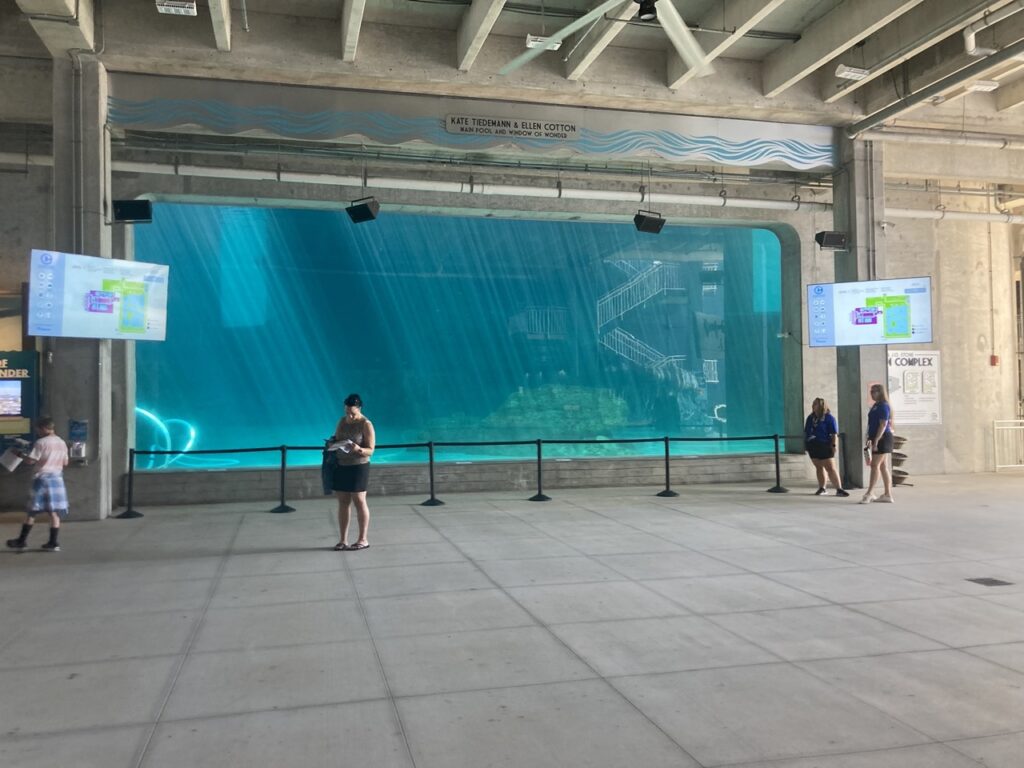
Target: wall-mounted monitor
(91,298)
(897,311)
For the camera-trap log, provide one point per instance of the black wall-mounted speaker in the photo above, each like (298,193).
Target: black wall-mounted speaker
(133,211)
(832,241)
(363,210)
(648,221)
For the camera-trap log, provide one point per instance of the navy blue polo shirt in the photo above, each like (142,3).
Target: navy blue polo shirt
(879,412)
(821,429)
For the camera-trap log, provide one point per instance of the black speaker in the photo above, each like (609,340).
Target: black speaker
(362,210)
(832,241)
(648,221)
(133,211)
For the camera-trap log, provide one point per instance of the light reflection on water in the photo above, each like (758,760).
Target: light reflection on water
(455,329)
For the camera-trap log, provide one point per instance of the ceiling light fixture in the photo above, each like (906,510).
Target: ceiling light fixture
(647,10)
(982,86)
(847,72)
(536,41)
(177,7)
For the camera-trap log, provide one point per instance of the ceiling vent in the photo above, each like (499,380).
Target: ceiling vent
(177,7)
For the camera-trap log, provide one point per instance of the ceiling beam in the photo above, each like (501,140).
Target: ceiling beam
(740,16)
(586,51)
(841,28)
(909,35)
(474,28)
(351,22)
(940,61)
(220,15)
(683,41)
(62,25)
(1010,95)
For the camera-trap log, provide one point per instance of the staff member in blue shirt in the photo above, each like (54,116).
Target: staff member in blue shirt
(821,433)
(878,444)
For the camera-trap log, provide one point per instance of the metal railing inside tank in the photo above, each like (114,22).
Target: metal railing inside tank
(430,446)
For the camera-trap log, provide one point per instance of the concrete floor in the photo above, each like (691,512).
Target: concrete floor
(604,628)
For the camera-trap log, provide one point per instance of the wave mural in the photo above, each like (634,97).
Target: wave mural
(389,129)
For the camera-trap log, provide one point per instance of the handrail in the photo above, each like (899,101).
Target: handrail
(130,512)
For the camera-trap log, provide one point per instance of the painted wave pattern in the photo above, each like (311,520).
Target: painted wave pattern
(388,129)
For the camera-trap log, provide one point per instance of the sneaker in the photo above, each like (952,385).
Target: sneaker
(868,498)
(819,492)
(842,493)
(886,498)
(16,544)
(51,547)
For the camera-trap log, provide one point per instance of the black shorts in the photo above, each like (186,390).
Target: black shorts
(351,478)
(818,449)
(885,444)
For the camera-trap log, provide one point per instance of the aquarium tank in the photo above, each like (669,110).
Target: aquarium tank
(454,329)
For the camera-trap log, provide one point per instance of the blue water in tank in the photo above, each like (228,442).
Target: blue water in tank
(454,328)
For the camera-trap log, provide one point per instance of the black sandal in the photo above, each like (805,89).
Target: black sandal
(341,546)
(354,547)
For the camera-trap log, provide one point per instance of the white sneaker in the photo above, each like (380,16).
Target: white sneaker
(886,498)
(867,499)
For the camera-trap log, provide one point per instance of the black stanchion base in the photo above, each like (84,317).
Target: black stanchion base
(129,514)
(432,502)
(539,497)
(281,508)
(778,489)
(667,493)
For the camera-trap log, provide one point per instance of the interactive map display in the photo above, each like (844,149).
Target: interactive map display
(87,297)
(876,312)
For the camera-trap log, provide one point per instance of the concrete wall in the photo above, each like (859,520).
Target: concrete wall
(972,267)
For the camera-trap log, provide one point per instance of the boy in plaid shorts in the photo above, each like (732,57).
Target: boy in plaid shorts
(50,455)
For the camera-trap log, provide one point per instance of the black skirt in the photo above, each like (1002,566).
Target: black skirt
(351,478)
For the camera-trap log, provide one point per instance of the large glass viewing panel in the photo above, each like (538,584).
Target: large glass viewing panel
(455,329)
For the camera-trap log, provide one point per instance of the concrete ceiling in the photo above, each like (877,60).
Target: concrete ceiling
(771,59)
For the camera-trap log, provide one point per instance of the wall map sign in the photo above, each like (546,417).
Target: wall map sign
(514,127)
(915,387)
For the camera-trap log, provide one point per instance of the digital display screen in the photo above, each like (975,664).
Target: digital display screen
(92,298)
(897,311)
(10,398)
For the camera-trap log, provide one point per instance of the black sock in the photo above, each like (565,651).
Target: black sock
(53,535)
(26,528)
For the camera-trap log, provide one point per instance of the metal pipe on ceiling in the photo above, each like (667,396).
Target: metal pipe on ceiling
(940,86)
(635,196)
(945,138)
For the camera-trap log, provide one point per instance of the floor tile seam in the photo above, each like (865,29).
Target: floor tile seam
(388,690)
(275,647)
(824,679)
(953,742)
(265,710)
(817,755)
(176,672)
(991,599)
(501,628)
(371,568)
(969,650)
(279,603)
(70,664)
(572,653)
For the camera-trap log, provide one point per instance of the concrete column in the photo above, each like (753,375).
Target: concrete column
(859,190)
(77,383)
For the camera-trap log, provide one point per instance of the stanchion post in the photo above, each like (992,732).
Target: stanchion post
(777,488)
(130,513)
(433,501)
(282,507)
(539,496)
(668,492)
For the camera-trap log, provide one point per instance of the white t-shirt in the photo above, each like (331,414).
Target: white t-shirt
(51,455)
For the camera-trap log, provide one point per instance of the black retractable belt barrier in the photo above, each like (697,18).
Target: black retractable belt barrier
(668,492)
(539,496)
(433,501)
(777,488)
(130,513)
(282,507)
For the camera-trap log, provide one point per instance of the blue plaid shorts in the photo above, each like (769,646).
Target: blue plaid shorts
(48,495)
